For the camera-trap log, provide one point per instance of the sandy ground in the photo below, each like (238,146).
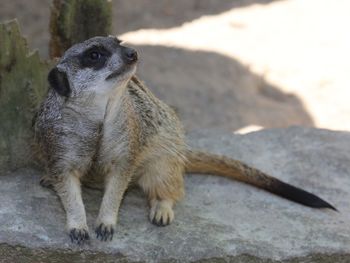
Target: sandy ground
(231,64)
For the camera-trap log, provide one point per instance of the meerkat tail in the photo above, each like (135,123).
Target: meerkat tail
(207,163)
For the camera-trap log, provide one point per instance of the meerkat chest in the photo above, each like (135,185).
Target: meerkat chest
(114,134)
(82,122)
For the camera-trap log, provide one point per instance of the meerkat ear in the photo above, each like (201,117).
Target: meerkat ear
(59,82)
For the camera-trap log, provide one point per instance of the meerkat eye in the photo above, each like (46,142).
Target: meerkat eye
(94,55)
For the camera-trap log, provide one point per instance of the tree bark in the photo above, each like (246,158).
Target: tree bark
(74,21)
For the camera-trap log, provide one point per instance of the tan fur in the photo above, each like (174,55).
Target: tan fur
(208,163)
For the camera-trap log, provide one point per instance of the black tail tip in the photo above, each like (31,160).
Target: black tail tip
(300,196)
(323,204)
(320,203)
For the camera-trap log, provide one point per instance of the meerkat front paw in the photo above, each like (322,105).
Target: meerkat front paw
(105,232)
(161,213)
(79,235)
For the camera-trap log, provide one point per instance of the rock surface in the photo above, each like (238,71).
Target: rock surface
(218,221)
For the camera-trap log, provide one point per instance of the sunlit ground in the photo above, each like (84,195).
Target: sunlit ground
(301,46)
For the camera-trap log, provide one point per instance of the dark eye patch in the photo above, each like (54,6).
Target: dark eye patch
(95,57)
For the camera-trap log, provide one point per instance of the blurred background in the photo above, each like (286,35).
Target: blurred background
(238,65)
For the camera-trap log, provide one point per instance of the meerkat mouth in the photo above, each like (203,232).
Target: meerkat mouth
(119,72)
(116,73)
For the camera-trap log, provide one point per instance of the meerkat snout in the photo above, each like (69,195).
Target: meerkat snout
(130,55)
(125,64)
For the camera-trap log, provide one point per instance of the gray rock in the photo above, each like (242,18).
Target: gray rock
(219,220)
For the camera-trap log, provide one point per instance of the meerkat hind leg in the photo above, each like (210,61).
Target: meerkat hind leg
(161,212)
(162,180)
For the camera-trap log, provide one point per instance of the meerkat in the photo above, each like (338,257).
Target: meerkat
(100,125)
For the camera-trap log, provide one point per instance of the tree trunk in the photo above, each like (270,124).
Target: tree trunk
(74,21)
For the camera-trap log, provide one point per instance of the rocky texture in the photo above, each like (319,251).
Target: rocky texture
(22,87)
(218,221)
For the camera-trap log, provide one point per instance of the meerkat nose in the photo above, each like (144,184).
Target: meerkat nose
(130,55)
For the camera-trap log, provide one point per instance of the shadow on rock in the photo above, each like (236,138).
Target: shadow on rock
(210,90)
(135,14)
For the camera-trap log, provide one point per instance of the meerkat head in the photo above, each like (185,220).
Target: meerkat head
(97,65)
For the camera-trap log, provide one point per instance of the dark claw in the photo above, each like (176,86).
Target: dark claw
(104,232)
(98,231)
(112,233)
(158,223)
(72,234)
(79,236)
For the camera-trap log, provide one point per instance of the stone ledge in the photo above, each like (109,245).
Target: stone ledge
(218,221)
